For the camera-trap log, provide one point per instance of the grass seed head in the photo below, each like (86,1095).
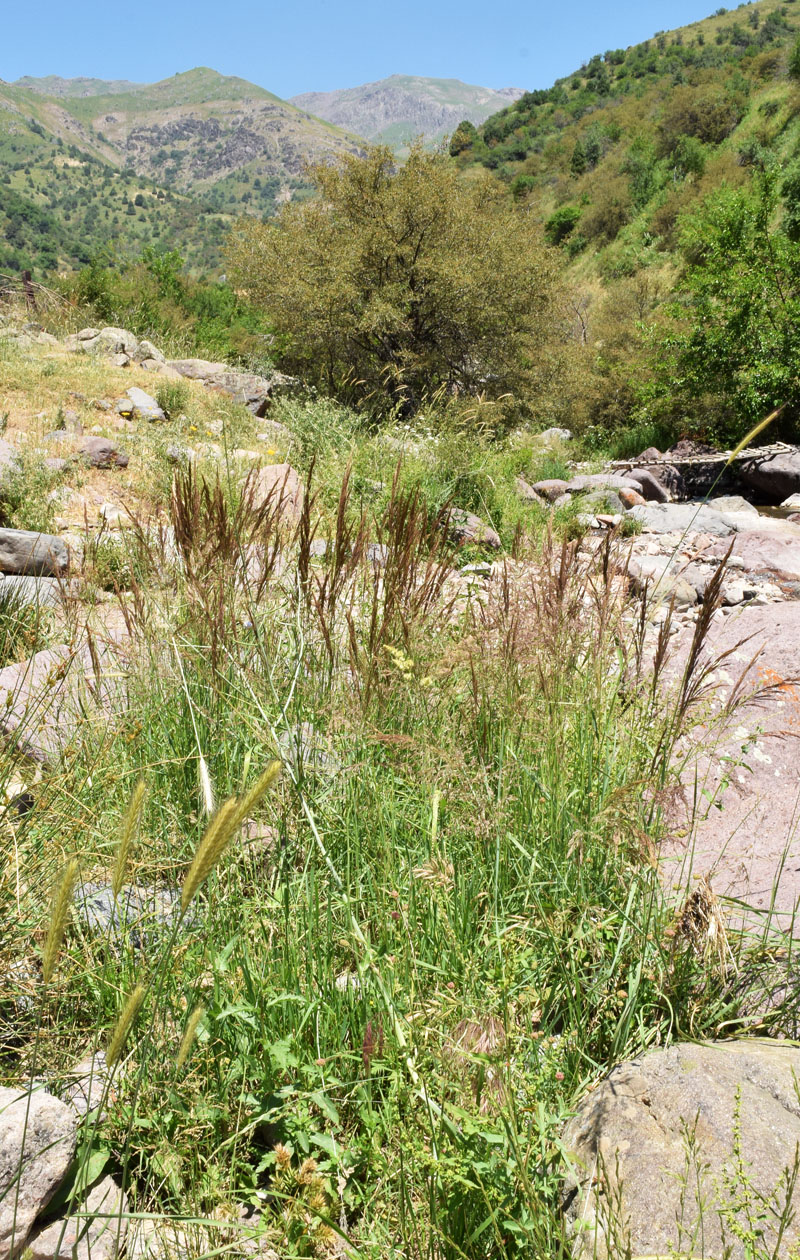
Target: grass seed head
(124,1024)
(59,917)
(129,828)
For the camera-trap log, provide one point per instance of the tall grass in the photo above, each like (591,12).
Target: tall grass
(401,966)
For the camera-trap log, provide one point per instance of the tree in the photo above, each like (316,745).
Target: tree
(577,163)
(396,282)
(735,345)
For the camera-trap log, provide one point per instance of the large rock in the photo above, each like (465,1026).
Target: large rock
(25,551)
(465,527)
(196,369)
(585,482)
(660,577)
(96,1231)
(47,700)
(775,476)
(630,1145)
(669,518)
(774,552)
(9,459)
(105,341)
(37,1145)
(551,489)
(280,486)
(143,405)
(101,452)
(140,914)
(650,487)
(32,592)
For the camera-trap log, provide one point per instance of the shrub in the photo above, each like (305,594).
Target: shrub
(394,284)
(173,397)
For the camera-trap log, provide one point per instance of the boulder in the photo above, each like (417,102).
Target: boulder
(630,498)
(602,501)
(144,405)
(36,592)
(106,341)
(669,518)
(147,351)
(659,576)
(629,1149)
(732,503)
(598,481)
(37,1145)
(526,492)
(47,700)
(281,487)
(95,1232)
(551,489)
(139,914)
(792,504)
(25,551)
(100,452)
(774,553)
(9,459)
(465,527)
(649,486)
(775,476)
(196,369)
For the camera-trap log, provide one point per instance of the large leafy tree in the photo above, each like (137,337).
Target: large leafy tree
(734,354)
(395,282)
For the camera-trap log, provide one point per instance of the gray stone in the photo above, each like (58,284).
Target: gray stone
(649,486)
(466,527)
(119,360)
(9,459)
(792,504)
(87,1088)
(26,591)
(107,341)
(659,576)
(304,749)
(776,476)
(599,481)
(377,555)
(25,551)
(278,485)
(628,1146)
(139,914)
(100,452)
(603,501)
(196,369)
(668,518)
(554,435)
(148,351)
(732,503)
(96,1231)
(37,1145)
(318,548)
(177,454)
(46,701)
(145,406)
(55,463)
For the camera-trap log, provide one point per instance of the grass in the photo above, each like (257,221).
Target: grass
(442,923)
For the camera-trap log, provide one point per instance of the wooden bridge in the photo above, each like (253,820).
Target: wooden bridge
(712,457)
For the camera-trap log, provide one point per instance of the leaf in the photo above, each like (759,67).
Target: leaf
(326,1106)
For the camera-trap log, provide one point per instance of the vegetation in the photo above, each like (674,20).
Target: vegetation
(396,284)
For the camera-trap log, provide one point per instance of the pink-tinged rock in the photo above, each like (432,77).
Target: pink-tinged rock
(630,498)
(550,490)
(774,551)
(37,1145)
(746,838)
(278,485)
(100,452)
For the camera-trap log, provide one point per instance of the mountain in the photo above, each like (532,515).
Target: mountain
(393,111)
(613,154)
(54,85)
(177,158)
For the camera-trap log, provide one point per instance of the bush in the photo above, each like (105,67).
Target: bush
(395,284)
(173,397)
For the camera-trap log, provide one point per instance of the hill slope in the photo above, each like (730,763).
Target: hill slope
(176,158)
(395,110)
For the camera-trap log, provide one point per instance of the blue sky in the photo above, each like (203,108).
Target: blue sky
(291,47)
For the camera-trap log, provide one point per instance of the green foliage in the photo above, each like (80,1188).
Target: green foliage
(397,283)
(155,298)
(561,224)
(465,134)
(172,397)
(734,343)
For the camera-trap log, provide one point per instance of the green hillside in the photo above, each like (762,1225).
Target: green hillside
(167,164)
